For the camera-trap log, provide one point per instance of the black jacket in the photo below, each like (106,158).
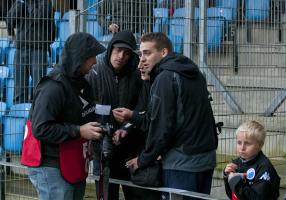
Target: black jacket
(140,117)
(180,116)
(63,99)
(262,182)
(34,21)
(135,16)
(118,90)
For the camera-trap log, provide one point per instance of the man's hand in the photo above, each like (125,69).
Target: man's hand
(113,28)
(118,135)
(122,114)
(132,164)
(91,131)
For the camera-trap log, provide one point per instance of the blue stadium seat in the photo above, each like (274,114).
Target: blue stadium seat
(228,4)
(57,18)
(64,28)
(14,127)
(4,43)
(215,27)
(55,49)
(257,10)
(91,9)
(94,28)
(4,72)
(177,25)
(3,108)
(161,20)
(10,60)
(63,34)
(226,13)
(9,92)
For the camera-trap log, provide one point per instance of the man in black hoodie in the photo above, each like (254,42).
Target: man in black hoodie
(181,129)
(116,83)
(35,31)
(63,119)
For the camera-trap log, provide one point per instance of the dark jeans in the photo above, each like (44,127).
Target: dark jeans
(28,62)
(193,181)
(130,193)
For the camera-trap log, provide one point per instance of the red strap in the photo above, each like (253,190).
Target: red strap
(233,196)
(31,149)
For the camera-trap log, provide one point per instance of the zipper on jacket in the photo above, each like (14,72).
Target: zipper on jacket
(116,79)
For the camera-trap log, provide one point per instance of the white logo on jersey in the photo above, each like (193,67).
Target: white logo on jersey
(85,103)
(250,174)
(265,176)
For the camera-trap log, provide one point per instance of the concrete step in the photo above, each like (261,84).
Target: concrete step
(263,82)
(254,101)
(261,55)
(261,33)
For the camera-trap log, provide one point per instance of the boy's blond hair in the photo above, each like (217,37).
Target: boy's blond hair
(253,130)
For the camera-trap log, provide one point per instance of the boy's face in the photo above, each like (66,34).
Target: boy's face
(247,148)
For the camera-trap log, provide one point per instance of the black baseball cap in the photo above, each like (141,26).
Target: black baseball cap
(123,45)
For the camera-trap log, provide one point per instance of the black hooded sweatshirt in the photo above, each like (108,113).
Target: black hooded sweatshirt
(63,99)
(34,22)
(118,90)
(180,115)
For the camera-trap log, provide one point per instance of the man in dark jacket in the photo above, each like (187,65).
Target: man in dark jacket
(135,16)
(181,130)
(33,20)
(63,113)
(116,82)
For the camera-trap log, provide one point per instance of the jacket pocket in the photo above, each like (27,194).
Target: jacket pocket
(156,103)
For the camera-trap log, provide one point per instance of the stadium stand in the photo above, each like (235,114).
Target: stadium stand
(257,10)
(14,126)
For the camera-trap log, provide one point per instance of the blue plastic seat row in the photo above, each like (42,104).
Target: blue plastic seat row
(255,10)
(4,44)
(14,126)
(92,27)
(215,27)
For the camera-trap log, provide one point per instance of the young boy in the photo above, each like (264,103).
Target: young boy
(251,176)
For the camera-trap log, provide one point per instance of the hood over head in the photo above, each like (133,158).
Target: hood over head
(180,64)
(77,49)
(121,39)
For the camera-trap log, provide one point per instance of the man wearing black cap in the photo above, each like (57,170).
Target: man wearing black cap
(116,83)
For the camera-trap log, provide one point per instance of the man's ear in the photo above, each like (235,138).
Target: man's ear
(164,52)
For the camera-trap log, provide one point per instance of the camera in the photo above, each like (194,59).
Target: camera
(106,148)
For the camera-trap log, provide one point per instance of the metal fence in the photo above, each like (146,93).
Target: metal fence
(239,45)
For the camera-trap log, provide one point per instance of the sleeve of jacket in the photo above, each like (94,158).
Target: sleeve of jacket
(140,117)
(226,185)
(104,13)
(162,119)
(15,13)
(260,189)
(49,105)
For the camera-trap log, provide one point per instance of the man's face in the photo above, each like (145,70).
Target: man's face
(119,57)
(149,57)
(87,65)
